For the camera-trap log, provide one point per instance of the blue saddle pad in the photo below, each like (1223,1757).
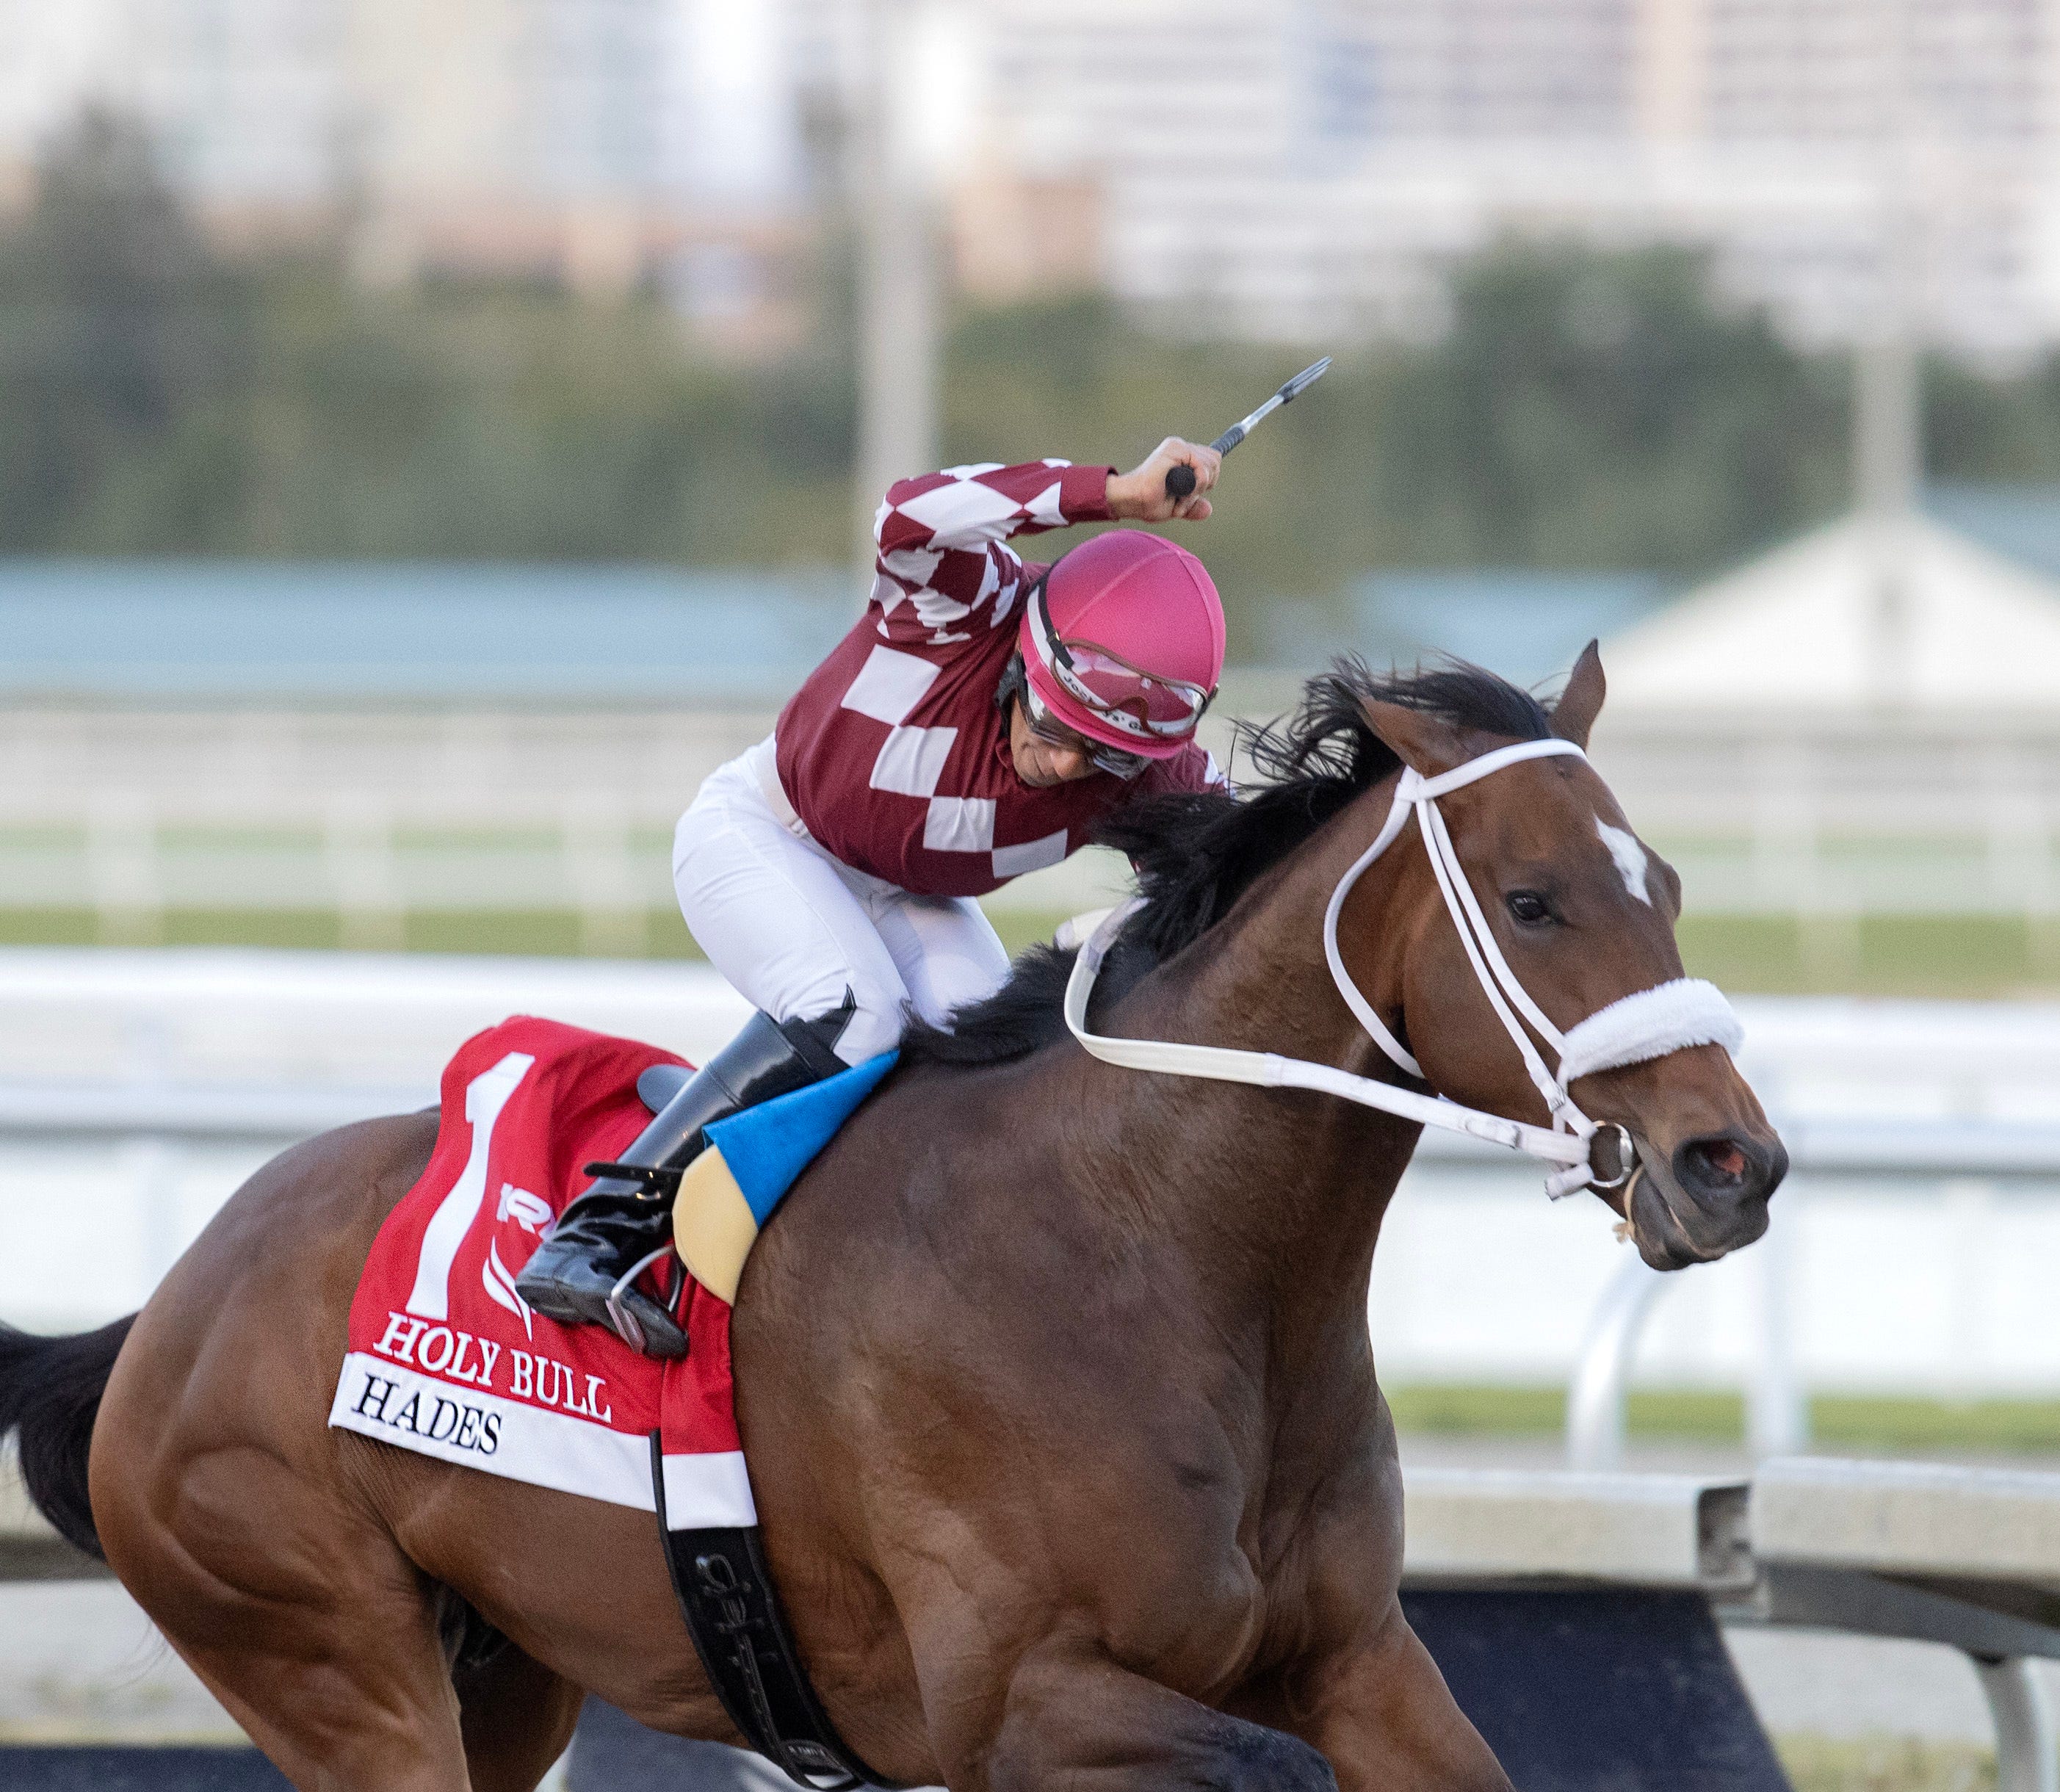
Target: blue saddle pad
(752,1159)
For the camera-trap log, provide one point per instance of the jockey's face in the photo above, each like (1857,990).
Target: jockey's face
(1047,756)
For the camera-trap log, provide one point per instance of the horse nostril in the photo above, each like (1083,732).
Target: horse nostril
(1725,1160)
(1717,1165)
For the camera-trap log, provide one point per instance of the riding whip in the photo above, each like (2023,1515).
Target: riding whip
(1180,480)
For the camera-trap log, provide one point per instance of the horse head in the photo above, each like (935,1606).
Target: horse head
(1583,913)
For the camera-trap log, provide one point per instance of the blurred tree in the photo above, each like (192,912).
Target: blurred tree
(1594,409)
(117,320)
(1587,409)
(1992,427)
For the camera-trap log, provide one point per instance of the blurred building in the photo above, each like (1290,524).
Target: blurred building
(1309,169)
(1800,633)
(606,142)
(1278,168)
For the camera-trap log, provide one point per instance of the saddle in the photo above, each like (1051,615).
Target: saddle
(446,1359)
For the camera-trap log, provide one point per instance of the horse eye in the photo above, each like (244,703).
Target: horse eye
(1528,907)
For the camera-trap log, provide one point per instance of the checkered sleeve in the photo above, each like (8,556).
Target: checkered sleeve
(1193,768)
(942,541)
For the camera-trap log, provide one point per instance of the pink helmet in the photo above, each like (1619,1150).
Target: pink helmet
(1124,642)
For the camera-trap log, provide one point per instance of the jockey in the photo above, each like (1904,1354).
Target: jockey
(980,719)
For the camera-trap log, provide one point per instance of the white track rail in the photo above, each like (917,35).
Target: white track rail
(1927,1132)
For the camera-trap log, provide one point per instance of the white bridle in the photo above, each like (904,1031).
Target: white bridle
(1651,1023)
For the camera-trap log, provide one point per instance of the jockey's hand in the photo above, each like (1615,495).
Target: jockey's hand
(1140,497)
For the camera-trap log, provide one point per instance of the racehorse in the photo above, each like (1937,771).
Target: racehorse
(1054,1376)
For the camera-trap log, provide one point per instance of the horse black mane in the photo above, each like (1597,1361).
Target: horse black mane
(1196,854)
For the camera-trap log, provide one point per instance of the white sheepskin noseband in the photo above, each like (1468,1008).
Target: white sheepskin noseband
(1669,1017)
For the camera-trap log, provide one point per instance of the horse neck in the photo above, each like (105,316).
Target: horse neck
(1281,1193)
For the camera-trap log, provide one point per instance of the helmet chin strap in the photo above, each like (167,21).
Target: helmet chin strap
(1651,1023)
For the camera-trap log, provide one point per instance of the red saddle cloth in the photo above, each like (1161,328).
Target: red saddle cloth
(446,1359)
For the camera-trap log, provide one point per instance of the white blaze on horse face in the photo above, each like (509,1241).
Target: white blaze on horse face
(1630,857)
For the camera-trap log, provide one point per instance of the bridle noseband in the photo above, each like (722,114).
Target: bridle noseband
(1651,1023)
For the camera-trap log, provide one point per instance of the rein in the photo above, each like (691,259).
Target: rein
(1650,1024)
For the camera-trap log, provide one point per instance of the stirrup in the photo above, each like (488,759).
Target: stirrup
(628,1327)
(656,1181)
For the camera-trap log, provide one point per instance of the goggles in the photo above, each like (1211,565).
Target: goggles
(1129,698)
(1053,732)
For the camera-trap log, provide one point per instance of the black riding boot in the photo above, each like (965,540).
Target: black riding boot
(582,1272)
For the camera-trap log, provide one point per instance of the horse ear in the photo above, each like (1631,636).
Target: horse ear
(1426,744)
(1574,715)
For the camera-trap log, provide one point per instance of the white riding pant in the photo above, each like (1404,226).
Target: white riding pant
(793,929)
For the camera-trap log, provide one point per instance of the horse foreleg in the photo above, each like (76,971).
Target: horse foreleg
(517,1717)
(1068,1718)
(247,1528)
(340,1676)
(1382,1713)
(284,1593)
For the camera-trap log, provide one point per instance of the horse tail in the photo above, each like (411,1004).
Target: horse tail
(49,1396)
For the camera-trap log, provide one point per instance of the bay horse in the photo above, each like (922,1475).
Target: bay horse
(1054,1377)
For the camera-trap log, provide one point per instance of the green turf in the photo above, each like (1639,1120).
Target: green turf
(1860,1422)
(1462,1411)
(1471,1412)
(2025,1426)
(551,932)
(49,927)
(317,928)
(1885,1764)
(1963,955)
(539,932)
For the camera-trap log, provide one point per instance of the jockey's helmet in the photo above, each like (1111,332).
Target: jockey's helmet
(1123,641)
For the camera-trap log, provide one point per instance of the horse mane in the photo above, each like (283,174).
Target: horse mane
(1195,853)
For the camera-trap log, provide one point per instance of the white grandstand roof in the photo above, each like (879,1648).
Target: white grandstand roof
(1855,619)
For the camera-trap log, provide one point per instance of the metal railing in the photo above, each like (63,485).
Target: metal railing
(374,816)
(1938,1553)
(1776,1413)
(1950,1555)
(155,1118)
(1881,1150)
(374,858)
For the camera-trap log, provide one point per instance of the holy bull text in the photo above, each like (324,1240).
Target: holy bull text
(443,1350)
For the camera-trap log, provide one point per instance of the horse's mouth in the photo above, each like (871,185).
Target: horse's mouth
(1672,1231)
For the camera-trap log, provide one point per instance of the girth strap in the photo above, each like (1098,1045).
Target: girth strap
(725,1593)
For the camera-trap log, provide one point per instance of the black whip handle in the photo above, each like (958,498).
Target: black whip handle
(1180,480)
